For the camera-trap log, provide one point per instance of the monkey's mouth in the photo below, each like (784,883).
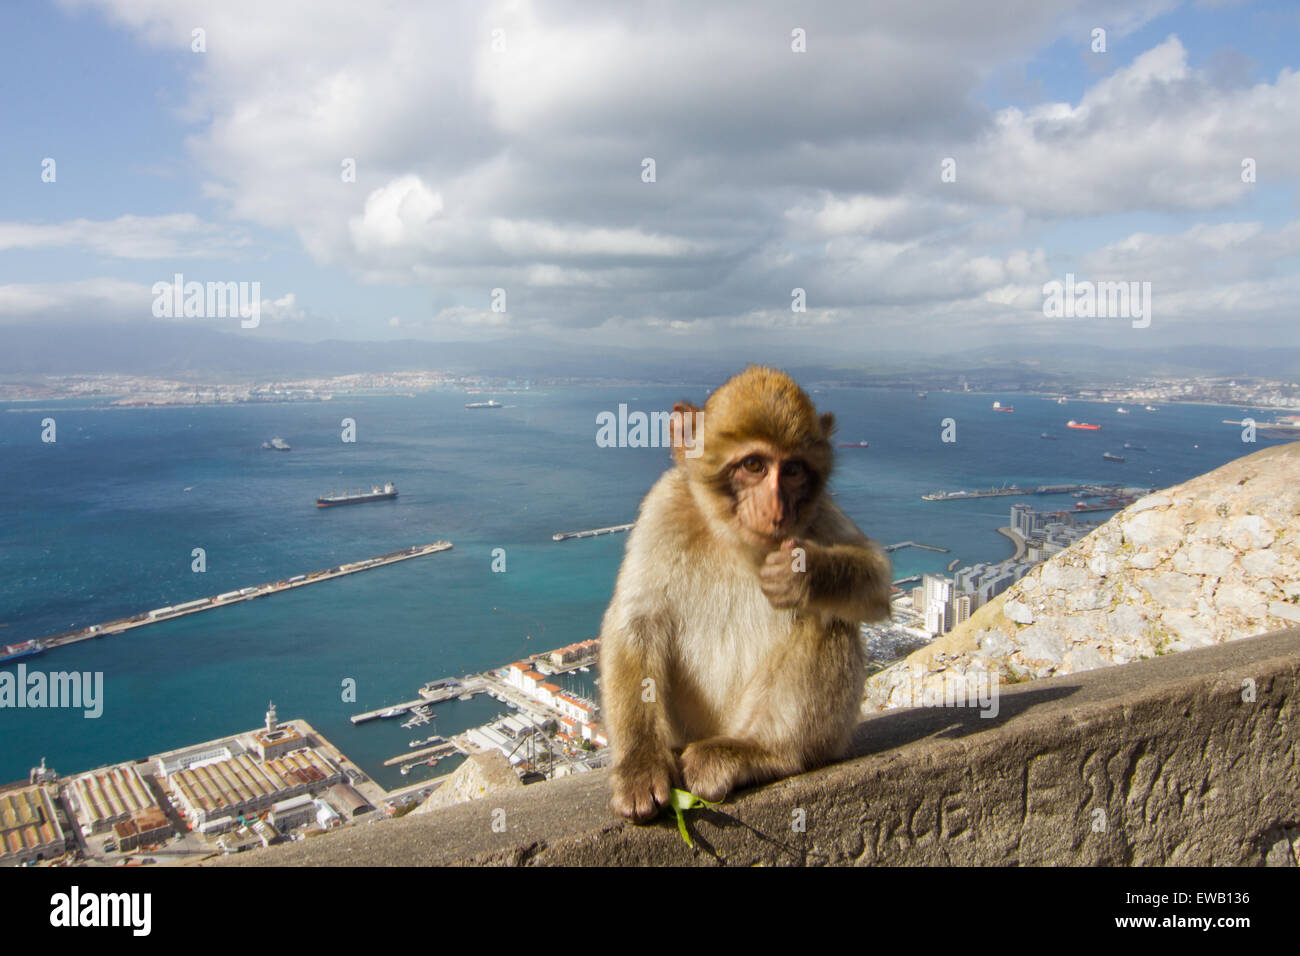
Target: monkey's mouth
(769,539)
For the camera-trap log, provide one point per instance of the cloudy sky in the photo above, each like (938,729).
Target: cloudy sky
(919,169)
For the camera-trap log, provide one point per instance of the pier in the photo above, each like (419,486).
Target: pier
(913,544)
(1095,491)
(235,597)
(446,748)
(594,532)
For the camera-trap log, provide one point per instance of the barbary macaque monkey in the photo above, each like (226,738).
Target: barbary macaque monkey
(730,653)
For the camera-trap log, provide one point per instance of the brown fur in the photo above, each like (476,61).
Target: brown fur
(722,664)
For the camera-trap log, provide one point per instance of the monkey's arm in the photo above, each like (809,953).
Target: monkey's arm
(636,641)
(840,571)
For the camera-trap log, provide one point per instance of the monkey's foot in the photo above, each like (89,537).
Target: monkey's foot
(642,784)
(712,767)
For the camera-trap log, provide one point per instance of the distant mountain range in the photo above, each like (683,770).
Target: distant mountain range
(171,350)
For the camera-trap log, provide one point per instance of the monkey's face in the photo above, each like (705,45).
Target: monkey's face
(769,488)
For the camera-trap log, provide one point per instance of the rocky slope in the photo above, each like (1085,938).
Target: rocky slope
(1208,561)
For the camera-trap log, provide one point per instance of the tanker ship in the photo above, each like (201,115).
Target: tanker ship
(389,490)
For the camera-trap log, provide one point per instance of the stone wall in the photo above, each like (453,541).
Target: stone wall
(1189,758)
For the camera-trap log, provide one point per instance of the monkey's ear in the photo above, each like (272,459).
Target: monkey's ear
(684,425)
(828,425)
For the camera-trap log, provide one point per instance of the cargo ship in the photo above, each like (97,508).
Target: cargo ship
(1109,456)
(1047,436)
(855,444)
(1129,444)
(21,651)
(376,493)
(999,407)
(1004,491)
(491,403)
(1073,424)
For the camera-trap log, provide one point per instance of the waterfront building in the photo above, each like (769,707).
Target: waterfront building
(101,798)
(583,650)
(348,800)
(276,740)
(326,816)
(291,813)
(144,828)
(243,786)
(29,826)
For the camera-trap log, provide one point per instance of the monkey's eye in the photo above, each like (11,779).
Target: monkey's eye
(753,464)
(796,471)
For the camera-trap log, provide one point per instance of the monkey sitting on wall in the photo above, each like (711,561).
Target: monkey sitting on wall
(730,653)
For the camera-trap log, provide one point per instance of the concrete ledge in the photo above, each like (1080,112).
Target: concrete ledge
(1154,762)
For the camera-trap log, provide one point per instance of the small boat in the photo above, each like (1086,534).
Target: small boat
(855,444)
(920,394)
(1129,444)
(1151,408)
(1122,411)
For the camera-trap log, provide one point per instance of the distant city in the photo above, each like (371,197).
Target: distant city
(124,390)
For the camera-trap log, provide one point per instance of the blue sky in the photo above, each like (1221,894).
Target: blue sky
(519,168)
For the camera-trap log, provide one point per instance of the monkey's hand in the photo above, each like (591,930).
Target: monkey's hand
(784,576)
(642,782)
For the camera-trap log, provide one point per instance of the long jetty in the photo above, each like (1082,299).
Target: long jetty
(235,597)
(913,544)
(594,532)
(1094,491)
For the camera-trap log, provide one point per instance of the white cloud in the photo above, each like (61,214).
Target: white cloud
(521,169)
(1153,135)
(180,235)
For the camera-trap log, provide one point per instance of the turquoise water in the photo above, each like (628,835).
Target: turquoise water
(99,525)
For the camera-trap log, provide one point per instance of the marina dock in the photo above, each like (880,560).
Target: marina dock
(447,747)
(594,532)
(235,597)
(392,710)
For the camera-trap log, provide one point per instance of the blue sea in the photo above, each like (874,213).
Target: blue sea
(102,524)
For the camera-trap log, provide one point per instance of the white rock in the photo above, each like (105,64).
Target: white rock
(1018,612)
(1287,612)
(1150,501)
(1084,658)
(1261,564)
(1039,643)
(1249,533)
(1235,597)
(1153,530)
(1202,558)
(1172,590)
